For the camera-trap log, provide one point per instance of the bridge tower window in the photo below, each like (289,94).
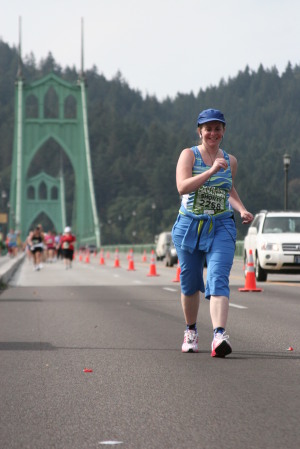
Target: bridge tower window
(51,106)
(32,107)
(31,193)
(43,194)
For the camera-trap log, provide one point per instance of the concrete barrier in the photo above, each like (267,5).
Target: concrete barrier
(8,267)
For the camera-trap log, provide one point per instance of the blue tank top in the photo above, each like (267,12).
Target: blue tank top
(212,197)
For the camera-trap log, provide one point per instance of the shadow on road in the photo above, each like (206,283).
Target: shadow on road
(44,346)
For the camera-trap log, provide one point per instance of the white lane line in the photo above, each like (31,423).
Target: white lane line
(111,443)
(137,282)
(237,306)
(170,289)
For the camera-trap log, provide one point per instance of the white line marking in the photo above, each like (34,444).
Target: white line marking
(170,289)
(237,306)
(110,442)
(137,282)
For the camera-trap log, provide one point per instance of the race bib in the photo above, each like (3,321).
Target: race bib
(209,200)
(66,245)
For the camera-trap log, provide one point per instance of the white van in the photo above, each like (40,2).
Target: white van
(163,243)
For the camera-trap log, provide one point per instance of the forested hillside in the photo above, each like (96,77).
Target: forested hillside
(135,141)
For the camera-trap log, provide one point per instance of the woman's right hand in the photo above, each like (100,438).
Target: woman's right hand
(218,164)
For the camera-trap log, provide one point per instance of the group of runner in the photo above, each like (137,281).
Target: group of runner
(12,243)
(49,247)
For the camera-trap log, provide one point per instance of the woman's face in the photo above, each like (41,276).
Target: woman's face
(212,133)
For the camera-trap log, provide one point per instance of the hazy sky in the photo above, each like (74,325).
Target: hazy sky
(161,47)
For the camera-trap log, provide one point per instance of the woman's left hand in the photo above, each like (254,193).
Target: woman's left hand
(246,217)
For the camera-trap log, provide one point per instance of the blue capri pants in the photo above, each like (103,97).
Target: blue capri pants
(219,259)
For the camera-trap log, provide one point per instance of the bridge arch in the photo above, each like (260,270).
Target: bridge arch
(42,218)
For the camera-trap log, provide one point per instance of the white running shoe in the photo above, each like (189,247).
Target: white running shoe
(190,341)
(220,346)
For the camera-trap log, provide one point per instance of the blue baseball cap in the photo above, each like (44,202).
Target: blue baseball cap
(210,115)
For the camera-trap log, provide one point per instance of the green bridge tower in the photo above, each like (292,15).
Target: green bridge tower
(52,113)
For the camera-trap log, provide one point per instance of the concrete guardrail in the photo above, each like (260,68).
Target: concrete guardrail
(9,266)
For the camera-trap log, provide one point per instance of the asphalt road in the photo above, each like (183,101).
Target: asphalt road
(143,393)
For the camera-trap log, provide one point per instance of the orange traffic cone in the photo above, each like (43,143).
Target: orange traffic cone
(152,271)
(250,283)
(101,261)
(117,260)
(80,257)
(178,271)
(130,262)
(87,257)
(144,258)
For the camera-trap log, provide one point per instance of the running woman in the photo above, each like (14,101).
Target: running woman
(36,243)
(205,229)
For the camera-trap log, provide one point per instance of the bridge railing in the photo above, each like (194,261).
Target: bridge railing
(140,248)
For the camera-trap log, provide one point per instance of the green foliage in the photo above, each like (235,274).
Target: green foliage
(135,142)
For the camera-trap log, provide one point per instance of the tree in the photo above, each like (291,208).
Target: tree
(135,142)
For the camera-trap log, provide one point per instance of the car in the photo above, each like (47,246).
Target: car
(274,238)
(171,255)
(164,241)
(92,248)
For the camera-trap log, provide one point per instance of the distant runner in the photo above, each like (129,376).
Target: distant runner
(67,246)
(36,243)
(51,246)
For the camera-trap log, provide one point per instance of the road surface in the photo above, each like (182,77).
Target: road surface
(142,392)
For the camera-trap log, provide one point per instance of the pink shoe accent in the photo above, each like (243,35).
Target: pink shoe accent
(220,346)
